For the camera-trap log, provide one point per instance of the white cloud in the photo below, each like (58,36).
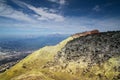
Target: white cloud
(45,14)
(42,13)
(96,8)
(61,2)
(9,12)
(71,25)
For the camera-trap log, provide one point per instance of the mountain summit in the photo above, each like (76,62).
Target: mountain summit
(94,56)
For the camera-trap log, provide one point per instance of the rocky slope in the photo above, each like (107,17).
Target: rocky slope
(90,57)
(94,49)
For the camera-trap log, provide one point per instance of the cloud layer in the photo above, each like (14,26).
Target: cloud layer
(41,13)
(96,8)
(45,14)
(61,2)
(32,19)
(8,12)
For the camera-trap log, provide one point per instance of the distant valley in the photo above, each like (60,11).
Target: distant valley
(12,50)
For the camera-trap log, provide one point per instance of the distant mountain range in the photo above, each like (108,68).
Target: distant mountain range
(30,44)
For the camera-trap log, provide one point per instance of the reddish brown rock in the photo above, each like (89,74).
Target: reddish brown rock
(85,33)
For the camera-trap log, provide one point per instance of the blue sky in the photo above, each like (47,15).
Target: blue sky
(38,17)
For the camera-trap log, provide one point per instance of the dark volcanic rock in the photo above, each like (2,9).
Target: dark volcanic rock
(94,48)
